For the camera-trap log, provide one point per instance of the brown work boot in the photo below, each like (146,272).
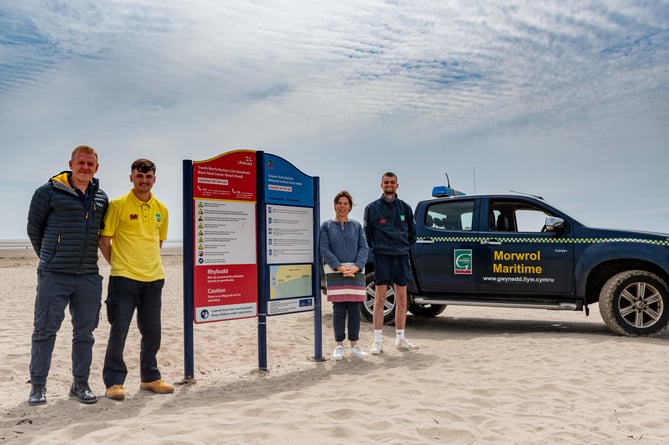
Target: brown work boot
(157,386)
(115,392)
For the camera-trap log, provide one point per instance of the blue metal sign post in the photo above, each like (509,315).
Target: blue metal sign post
(189,362)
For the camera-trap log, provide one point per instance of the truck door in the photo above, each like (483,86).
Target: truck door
(442,254)
(517,256)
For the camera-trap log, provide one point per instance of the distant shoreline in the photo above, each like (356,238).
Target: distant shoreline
(15,244)
(23,249)
(25,244)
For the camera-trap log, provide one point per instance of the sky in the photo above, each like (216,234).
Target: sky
(565,99)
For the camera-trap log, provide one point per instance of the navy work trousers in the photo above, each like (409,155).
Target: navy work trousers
(339,320)
(123,297)
(55,292)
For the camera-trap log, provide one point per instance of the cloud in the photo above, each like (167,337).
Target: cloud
(554,96)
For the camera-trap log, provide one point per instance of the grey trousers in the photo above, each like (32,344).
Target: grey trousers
(56,291)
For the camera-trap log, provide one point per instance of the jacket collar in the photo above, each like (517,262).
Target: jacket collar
(62,181)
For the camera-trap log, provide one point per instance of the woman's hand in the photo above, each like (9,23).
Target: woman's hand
(348,271)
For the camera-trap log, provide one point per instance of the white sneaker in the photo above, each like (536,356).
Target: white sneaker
(405,345)
(338,353)
(357,352)
(377,347)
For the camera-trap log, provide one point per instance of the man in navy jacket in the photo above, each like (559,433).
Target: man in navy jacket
(390,231)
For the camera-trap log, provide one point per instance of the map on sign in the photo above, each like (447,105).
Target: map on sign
(290,281)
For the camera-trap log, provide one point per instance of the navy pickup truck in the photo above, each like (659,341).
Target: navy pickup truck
(517,251)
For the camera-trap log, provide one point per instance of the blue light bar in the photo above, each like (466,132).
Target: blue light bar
(441,191)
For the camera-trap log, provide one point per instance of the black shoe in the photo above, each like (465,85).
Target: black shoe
(37,395)
(83,392)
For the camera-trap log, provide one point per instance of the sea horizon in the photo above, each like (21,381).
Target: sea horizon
(25,244)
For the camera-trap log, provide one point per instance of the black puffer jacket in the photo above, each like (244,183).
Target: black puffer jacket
(63,226)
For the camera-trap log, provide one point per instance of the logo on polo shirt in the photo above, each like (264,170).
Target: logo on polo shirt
(134,216)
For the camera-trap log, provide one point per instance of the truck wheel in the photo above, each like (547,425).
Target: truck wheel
(635,302)
(426,310)
(368,305)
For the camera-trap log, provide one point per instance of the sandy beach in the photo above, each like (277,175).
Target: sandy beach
(481,375)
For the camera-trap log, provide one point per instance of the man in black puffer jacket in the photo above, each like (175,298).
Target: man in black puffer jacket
(64,221)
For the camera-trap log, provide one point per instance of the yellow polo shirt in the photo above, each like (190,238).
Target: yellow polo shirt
(136,229)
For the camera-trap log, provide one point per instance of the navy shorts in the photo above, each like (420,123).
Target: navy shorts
(392,269)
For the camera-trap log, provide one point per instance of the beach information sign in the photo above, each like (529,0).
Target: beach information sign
(250,230)
(288,259)
(225,271)
(289,235)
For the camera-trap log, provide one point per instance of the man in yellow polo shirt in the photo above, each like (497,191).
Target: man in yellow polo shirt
(134,229)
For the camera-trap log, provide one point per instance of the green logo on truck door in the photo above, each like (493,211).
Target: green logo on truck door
(462,261)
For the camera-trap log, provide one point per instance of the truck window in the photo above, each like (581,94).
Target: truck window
(530,220)
(510,216)
(450,215)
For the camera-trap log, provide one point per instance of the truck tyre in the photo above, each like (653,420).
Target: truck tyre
(368,304)
(426,310)
(635,302)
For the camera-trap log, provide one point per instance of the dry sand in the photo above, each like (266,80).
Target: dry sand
(481,375)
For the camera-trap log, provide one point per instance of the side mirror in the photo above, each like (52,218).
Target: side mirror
(553,224)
